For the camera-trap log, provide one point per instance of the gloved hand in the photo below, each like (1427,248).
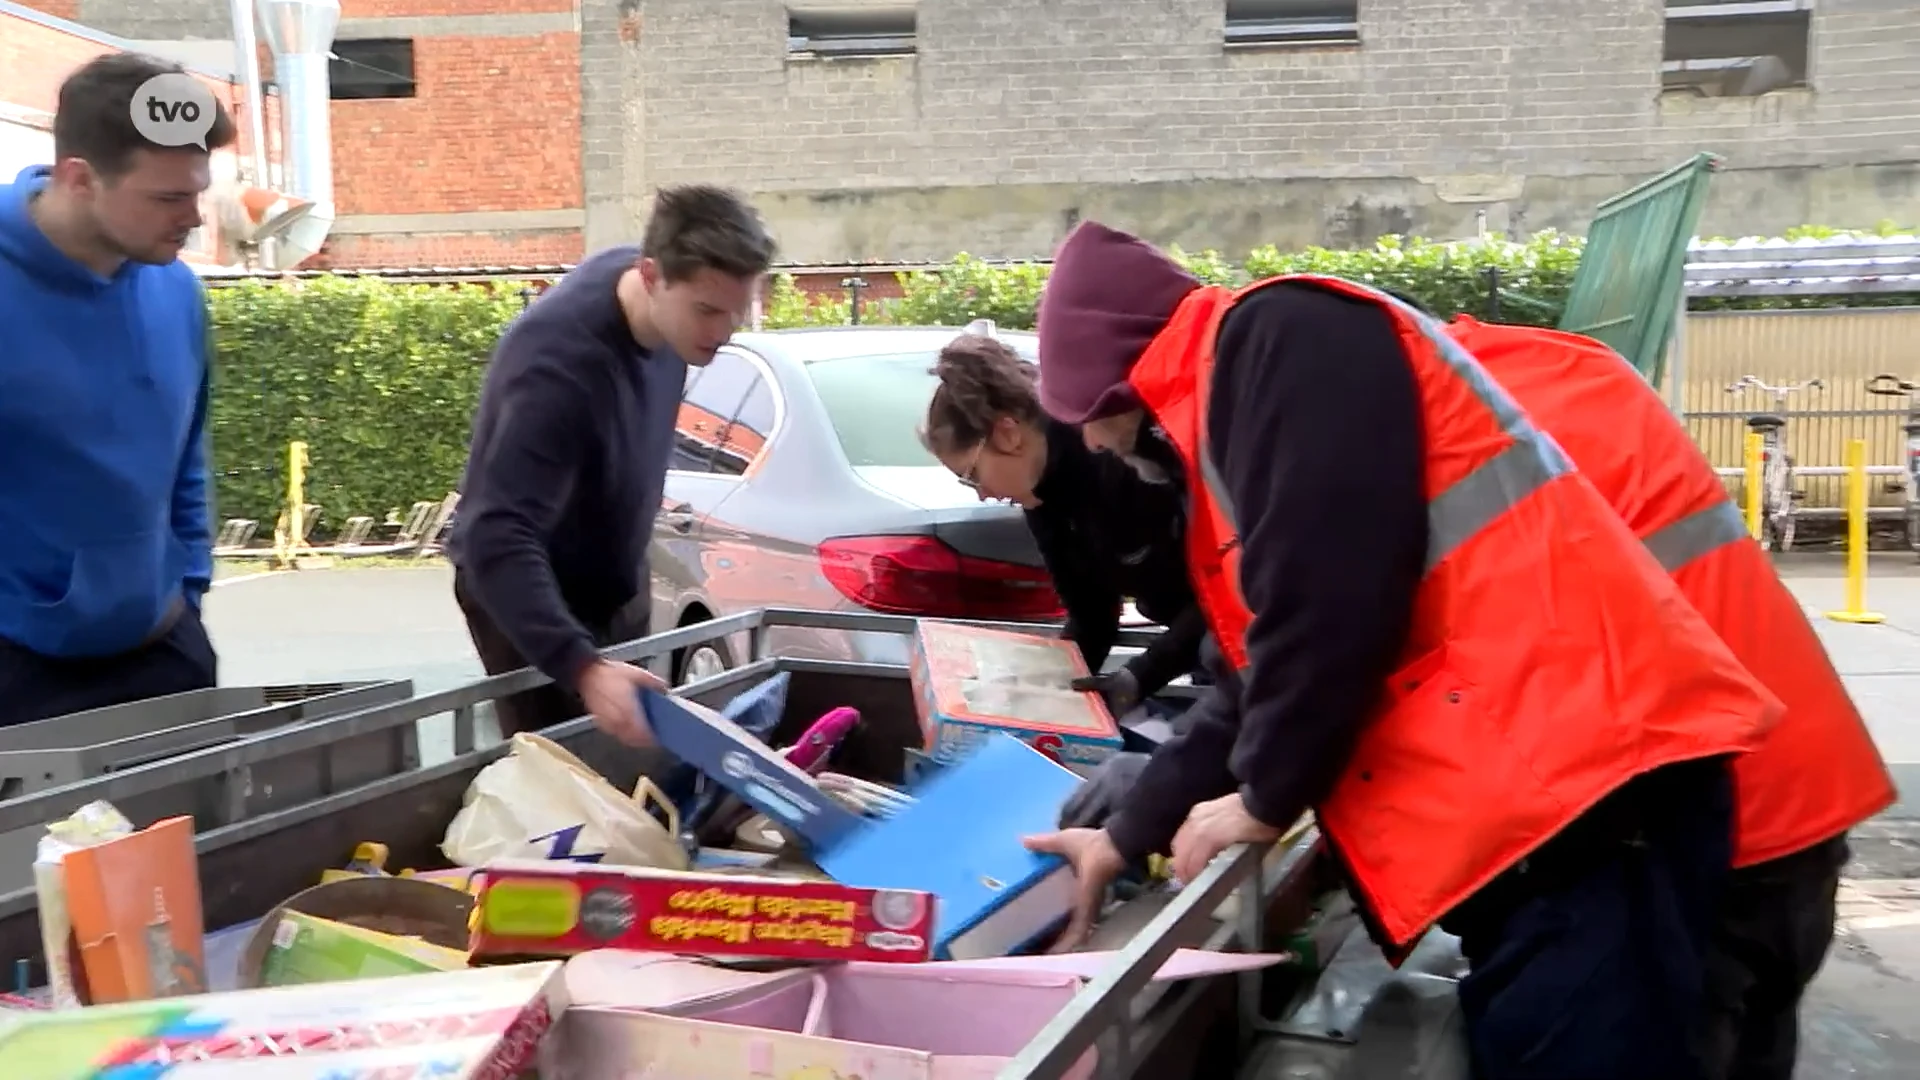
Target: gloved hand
(1118,688)
(1102,793)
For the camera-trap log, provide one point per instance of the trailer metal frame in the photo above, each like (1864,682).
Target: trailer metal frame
(261,849)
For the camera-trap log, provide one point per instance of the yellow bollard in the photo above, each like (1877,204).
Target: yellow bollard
(1754,494)
(289,537)
(1856,609)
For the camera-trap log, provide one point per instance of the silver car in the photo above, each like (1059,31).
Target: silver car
(800,481)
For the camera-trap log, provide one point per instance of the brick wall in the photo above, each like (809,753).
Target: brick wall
(476,168)
(494,128)
(523,248)
(36,57)
(1064,93)
(481,167)
(1014,119)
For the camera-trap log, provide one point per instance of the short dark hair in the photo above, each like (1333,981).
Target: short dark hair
(94,119)
(697,226)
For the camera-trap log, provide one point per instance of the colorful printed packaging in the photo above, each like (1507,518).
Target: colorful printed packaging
(970,682)
(454,1025)
(556,909)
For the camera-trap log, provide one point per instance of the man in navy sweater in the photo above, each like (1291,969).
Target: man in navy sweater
(105,534)
(571,442)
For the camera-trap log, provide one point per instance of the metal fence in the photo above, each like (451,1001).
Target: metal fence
(1843,347)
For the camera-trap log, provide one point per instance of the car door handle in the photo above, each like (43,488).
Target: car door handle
(679,517)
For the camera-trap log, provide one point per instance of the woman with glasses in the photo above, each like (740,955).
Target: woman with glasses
(1108,528)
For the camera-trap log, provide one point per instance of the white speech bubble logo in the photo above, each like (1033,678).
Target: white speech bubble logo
(174,110)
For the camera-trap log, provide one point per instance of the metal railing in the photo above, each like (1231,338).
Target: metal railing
(1122,1014)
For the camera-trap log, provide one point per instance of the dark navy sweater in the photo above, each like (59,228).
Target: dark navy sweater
(564,477)
(104,517)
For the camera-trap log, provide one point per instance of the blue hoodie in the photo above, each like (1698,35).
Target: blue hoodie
(104,515)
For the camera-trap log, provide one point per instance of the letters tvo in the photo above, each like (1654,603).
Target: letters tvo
(167,112)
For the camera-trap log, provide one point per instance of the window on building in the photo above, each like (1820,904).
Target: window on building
(1736,48)
(829,33)
(371,68)
(1293,22)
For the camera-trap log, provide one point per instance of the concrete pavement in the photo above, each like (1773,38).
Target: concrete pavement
(1862,1019)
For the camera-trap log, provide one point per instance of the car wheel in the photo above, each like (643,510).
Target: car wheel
(702,661)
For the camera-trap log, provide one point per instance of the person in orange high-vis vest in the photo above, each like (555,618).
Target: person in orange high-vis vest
(1529,742)
(1817,774)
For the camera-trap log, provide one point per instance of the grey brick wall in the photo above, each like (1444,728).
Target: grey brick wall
(1530,109)
(1016,119)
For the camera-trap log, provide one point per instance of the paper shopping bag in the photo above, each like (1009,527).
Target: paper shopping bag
(541,802)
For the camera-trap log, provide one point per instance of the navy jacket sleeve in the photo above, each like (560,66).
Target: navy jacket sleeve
(1186,770)
(530,469)
(1314,426)
(1172,654)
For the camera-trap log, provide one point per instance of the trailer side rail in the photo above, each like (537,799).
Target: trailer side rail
(1122,1012)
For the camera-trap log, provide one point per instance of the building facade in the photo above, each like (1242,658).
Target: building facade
(455,123)
(889,130)
(37,52)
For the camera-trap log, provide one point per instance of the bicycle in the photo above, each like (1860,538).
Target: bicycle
(1894,386)
(1777,493)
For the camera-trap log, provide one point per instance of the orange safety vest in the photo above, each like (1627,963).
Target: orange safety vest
(1817,773)
(1551,659)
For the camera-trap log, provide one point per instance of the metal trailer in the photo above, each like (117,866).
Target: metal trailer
(275,809)
(77,747)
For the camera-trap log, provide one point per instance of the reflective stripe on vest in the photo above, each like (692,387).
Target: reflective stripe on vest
(1697,534)
(1472,502)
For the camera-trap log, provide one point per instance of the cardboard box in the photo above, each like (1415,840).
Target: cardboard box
(540,908)
(971,682)
(134,902)
(854,1020)
(454,1025)
(959,840)
(309,949)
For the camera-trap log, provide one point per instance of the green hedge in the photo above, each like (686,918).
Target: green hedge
(1448,277)
(380,378)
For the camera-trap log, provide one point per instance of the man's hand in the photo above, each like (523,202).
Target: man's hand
(1212,827)
(1095,862)
(611,692)
(1118,688)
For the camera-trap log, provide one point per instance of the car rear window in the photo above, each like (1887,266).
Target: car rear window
(877,404)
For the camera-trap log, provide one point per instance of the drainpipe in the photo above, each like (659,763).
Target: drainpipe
(246,55)
(300,33)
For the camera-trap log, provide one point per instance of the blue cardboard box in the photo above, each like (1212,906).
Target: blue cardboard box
(959,839)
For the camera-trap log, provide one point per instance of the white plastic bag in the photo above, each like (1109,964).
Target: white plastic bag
(95,823)
(541,802)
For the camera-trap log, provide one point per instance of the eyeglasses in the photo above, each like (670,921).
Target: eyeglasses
(971,477)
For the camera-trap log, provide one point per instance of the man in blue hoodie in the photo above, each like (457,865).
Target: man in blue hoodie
(105,527)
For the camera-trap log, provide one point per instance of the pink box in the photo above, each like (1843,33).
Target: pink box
(874,1021)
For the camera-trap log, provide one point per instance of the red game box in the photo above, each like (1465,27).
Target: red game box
(548,909)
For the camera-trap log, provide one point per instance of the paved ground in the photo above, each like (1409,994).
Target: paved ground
(1863,1019)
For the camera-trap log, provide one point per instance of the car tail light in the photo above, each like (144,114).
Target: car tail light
(918,575)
